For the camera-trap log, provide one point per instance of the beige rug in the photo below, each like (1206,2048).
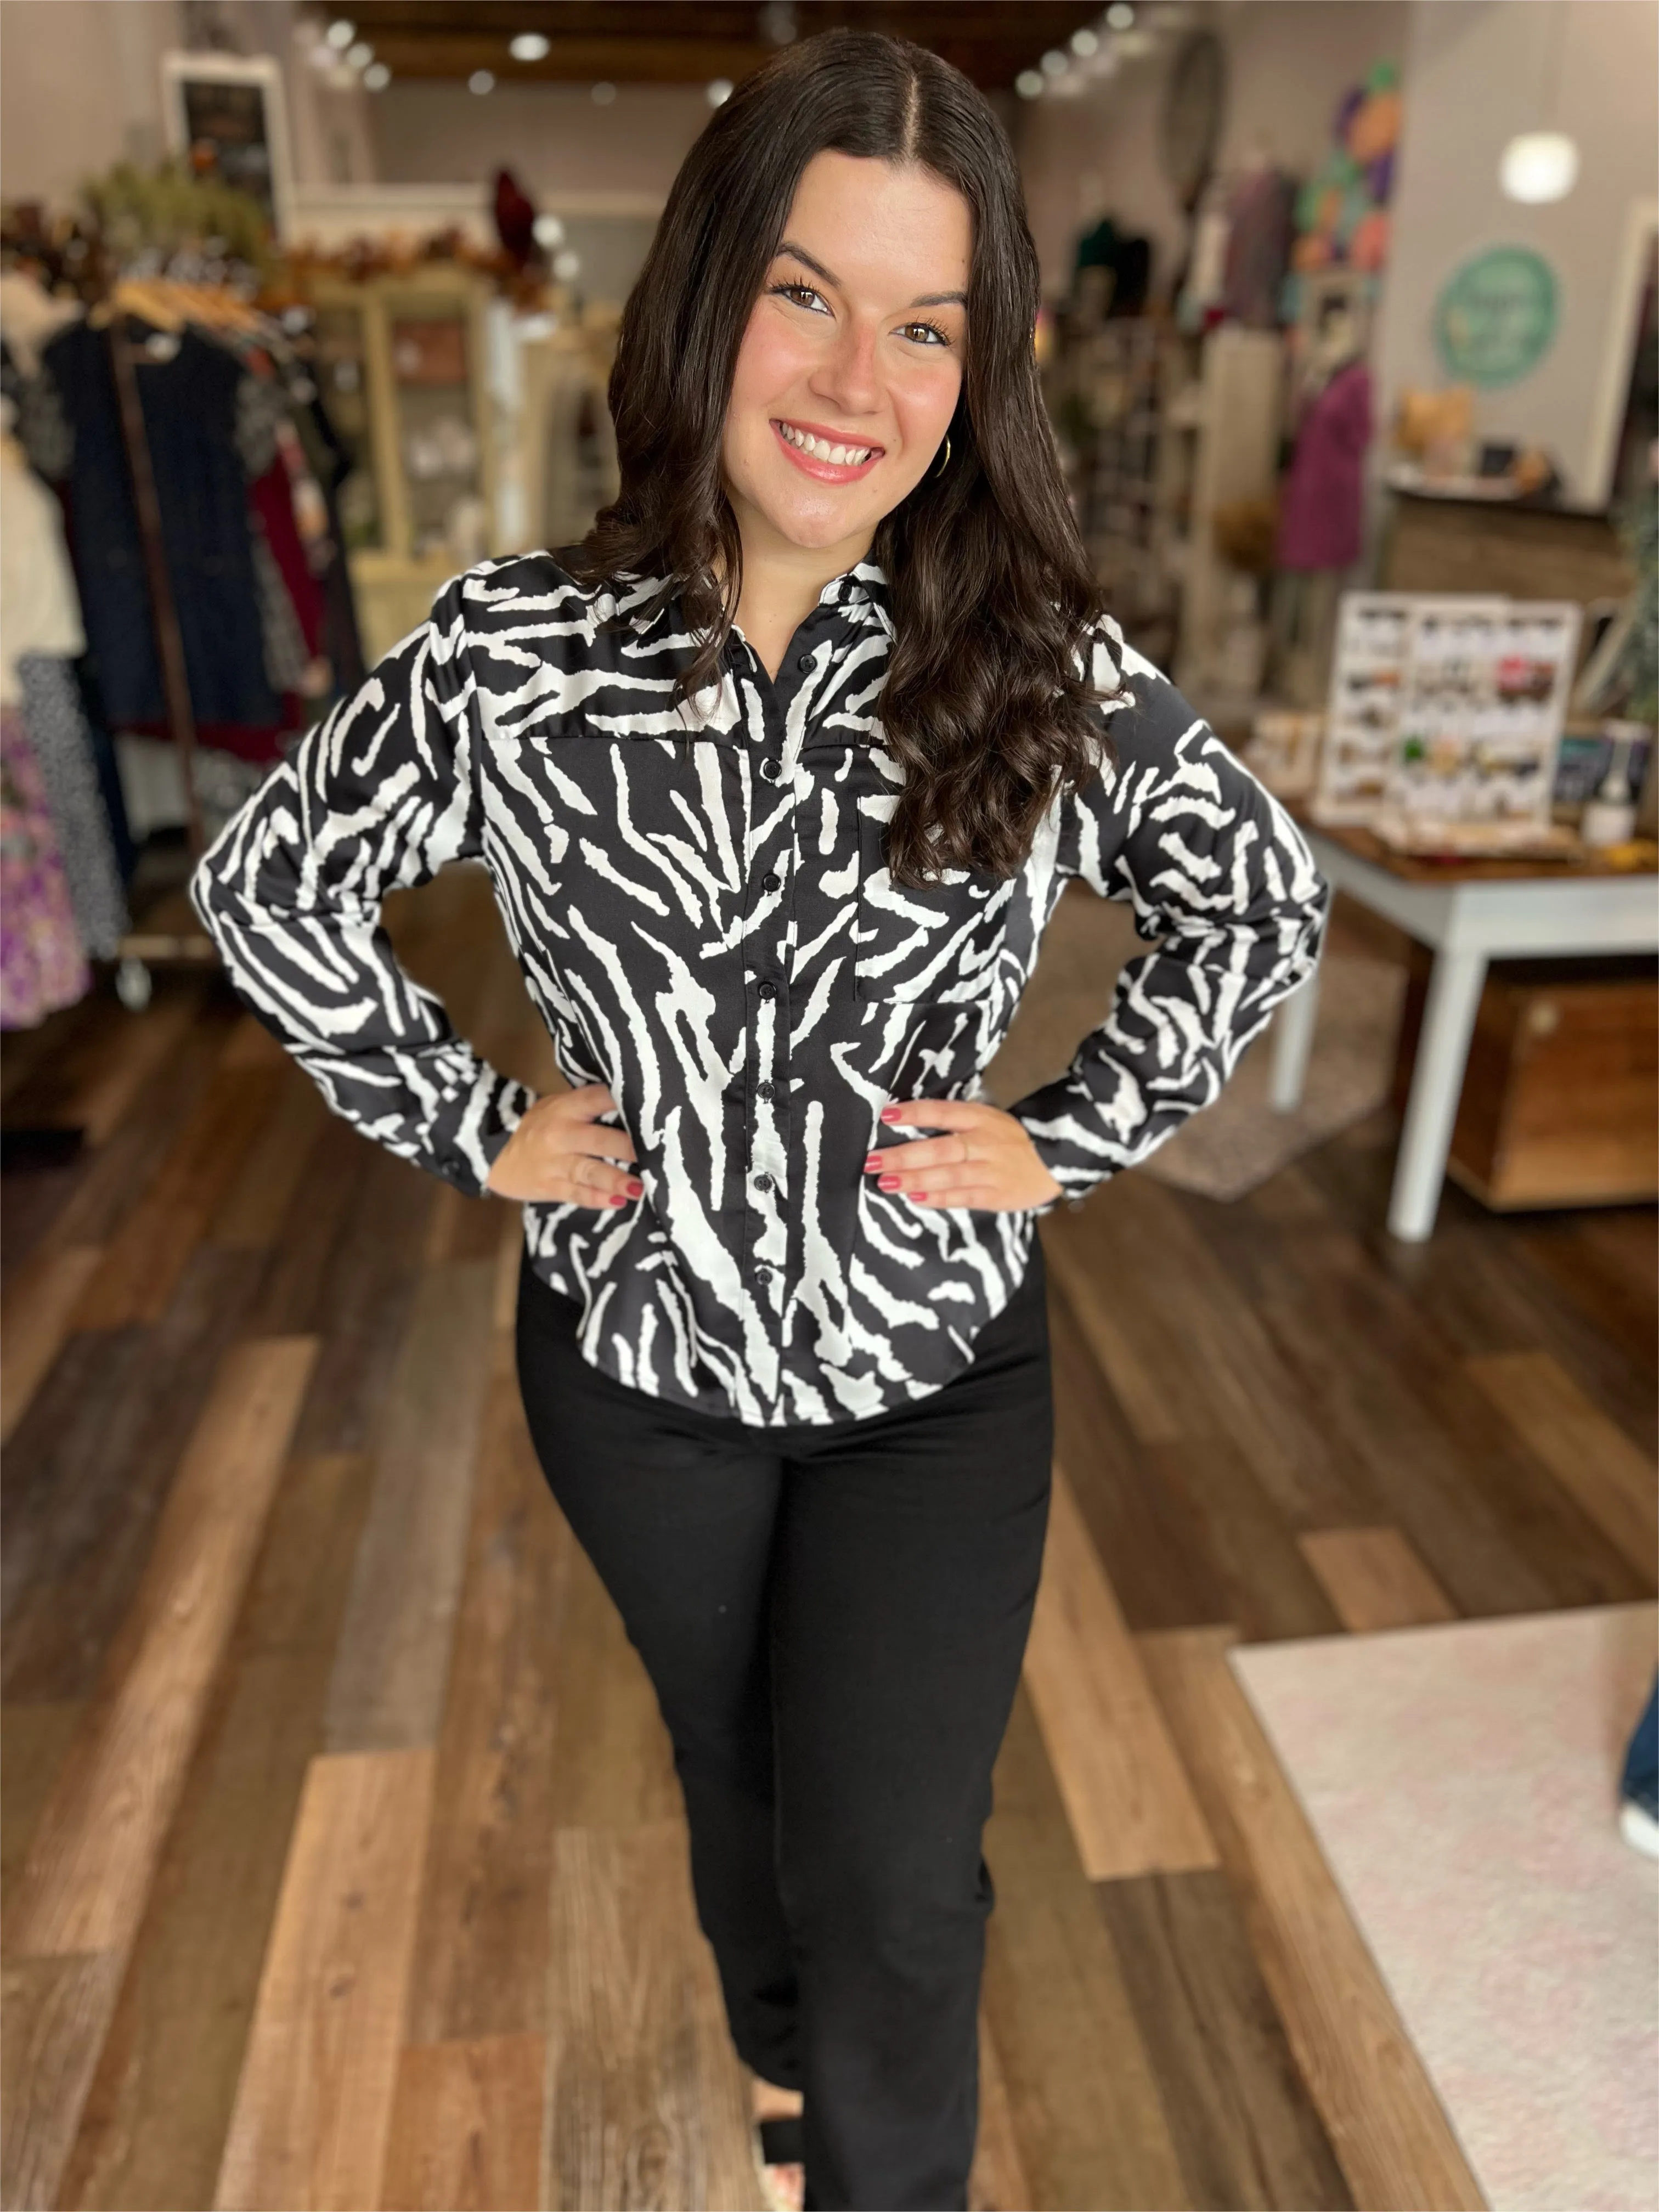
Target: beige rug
(1240,1141)
(1462,1782)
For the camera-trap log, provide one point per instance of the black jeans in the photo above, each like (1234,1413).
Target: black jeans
(833,1619)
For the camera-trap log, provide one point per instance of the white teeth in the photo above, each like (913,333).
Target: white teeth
(821,450)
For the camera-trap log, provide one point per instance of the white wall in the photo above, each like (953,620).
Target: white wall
(553,136)
(1289,62)
(80,89)
(1475,70)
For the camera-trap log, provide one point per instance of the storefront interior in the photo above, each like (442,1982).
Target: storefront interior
(344,1854)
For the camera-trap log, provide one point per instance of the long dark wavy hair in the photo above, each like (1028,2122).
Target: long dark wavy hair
(987,703)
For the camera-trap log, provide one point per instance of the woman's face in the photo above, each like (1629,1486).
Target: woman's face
(851,366)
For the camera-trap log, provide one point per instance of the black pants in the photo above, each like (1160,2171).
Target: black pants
(834,1619)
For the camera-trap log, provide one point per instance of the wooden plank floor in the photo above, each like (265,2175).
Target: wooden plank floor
(344,1862)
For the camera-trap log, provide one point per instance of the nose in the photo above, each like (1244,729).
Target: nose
(846,376)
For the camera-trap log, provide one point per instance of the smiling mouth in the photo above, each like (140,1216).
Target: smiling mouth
(822,455)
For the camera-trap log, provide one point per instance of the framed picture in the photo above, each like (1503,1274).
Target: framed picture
(225,115)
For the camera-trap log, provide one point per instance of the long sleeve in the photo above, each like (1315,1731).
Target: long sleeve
(378,795)
(1224,886)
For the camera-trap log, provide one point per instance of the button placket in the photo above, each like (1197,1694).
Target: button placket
(767,1184)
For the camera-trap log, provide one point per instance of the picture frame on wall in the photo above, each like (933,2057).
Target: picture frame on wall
(227,117)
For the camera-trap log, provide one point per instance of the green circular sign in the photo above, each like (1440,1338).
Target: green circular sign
(1495,316)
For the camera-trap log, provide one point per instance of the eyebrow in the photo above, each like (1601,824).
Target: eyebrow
(928,299)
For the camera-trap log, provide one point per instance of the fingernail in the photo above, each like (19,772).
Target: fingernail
(616,1199)
(918,1194)
(636,1188)
(887,1183)
(890,1113)
(874,1160)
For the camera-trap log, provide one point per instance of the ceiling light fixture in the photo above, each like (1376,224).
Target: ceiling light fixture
(377,76)
(1540,166)
(1120,16)
(717,91)
(1055,62)
(1029,84)
(361,55)
(530,47)
(481,81)
(548,231)
(566,265)
(341,32)
(1084,43)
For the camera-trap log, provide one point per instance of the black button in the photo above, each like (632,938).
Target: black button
(770,881)
(762,1090)
(762,1183)
(762,1272)
(767,990)
(772,770)
(804,661)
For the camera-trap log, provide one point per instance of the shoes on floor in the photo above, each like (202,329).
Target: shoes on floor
(1638,1824)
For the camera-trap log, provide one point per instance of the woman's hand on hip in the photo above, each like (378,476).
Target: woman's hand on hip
(985,1160)
(559,1154)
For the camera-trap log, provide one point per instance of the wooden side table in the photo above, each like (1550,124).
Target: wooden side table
(1469,912)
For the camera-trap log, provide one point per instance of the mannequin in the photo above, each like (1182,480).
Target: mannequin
(1322,507)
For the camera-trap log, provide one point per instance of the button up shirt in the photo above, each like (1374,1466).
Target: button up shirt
(697,897)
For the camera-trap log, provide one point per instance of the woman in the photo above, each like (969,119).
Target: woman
(778,778)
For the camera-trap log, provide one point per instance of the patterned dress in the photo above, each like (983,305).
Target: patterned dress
(42,966)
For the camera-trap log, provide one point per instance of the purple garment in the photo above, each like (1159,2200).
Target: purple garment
(42,966)
(1321,511)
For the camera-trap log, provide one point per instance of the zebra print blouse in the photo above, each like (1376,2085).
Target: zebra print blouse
(697,897)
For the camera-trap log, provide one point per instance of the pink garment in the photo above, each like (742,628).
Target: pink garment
(42,966)
(1322,509)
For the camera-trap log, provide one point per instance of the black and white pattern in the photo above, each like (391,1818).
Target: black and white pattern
(697,897)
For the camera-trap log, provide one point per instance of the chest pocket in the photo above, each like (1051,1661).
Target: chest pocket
(937,943)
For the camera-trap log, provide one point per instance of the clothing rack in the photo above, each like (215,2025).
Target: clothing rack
(169,304)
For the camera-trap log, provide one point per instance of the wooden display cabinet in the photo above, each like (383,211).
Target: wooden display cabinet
(402,360)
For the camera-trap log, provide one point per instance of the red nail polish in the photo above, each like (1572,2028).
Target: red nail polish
(874,1161)
(635,1188)
(887,1183)
(616,1199)
(890,1113)
(918,1194)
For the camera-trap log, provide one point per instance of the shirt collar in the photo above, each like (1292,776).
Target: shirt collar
(861,593)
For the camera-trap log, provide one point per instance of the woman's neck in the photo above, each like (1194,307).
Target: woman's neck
(781,583)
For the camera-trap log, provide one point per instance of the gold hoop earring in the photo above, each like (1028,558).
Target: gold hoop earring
(943,461)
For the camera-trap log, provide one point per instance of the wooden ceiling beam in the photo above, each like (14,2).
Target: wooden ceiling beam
(646,42)
(456,54)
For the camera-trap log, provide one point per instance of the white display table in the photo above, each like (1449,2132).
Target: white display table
(1470,913)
